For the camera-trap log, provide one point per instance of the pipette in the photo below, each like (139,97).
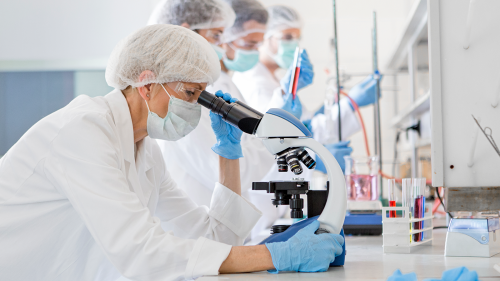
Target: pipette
(295,76)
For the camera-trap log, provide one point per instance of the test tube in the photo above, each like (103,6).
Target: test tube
(407,195)
(422,203)
(419,206)
(416,208)
(391,188)
(407,189)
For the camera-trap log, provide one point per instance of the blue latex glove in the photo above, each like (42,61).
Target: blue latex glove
(364,93)
(306,251)
(398,276)
(338,150)
(457,274)
(305,77)
(228,137)
(294,106)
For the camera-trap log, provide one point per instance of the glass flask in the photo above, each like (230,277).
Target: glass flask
(361,176)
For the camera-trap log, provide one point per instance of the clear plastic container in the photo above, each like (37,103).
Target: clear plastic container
(361,176)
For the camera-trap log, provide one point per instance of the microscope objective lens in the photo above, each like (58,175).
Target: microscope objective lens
(306,159)
(282,165)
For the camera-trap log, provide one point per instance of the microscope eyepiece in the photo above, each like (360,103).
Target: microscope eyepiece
(237,113)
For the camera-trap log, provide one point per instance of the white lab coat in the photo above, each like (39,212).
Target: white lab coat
(183,161)
(76,205)
(262,90)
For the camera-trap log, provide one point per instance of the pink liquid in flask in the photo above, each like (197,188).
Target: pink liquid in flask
(362,187)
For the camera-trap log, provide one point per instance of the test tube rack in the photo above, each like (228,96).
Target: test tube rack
(397,232)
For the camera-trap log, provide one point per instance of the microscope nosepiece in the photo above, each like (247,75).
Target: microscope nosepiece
(291,158)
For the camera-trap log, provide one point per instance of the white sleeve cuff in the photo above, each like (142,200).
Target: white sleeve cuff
(234,211)
(350,122)
(325,128)
(206,258)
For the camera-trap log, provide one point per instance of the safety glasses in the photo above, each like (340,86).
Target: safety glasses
(247,45)
(215,36)
(289,37)
(184,92)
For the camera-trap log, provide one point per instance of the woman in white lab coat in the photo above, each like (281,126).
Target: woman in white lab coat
(210,20)
(263,90)
(83,192)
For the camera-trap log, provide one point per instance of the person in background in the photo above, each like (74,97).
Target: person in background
(83,192)
(263,90)
(208,18)
(191,160)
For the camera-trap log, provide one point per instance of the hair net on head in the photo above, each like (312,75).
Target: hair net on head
(172,53)
(199,14)
(246,10)
(281,18)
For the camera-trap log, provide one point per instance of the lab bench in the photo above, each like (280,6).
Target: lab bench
(365,260)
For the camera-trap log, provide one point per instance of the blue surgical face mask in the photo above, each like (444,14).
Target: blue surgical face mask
(243,60)
(286,52)
(220,51)
(182,118)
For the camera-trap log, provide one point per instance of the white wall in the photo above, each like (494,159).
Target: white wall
(63,29)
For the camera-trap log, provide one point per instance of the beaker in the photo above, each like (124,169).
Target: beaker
(361,177)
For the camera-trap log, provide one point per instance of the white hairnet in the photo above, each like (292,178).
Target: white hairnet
(199,14)
(172,53)
(246,10)
(281,18)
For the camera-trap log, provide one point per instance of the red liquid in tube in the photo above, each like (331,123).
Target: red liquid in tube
(295,81)
(392,214)
(418,213)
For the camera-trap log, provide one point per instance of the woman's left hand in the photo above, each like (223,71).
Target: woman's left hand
(306,74)
(228,137)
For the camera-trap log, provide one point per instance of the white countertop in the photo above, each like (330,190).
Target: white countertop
(365,260)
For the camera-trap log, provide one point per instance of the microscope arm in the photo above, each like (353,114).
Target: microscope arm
(333,215)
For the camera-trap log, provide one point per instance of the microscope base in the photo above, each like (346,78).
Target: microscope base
(294,228)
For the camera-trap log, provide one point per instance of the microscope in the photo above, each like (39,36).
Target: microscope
(286,137)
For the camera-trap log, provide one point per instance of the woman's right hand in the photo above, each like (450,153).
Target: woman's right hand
(306,251)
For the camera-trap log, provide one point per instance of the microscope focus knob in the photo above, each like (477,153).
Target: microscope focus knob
(296,203)
(296,214)
(279,228)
